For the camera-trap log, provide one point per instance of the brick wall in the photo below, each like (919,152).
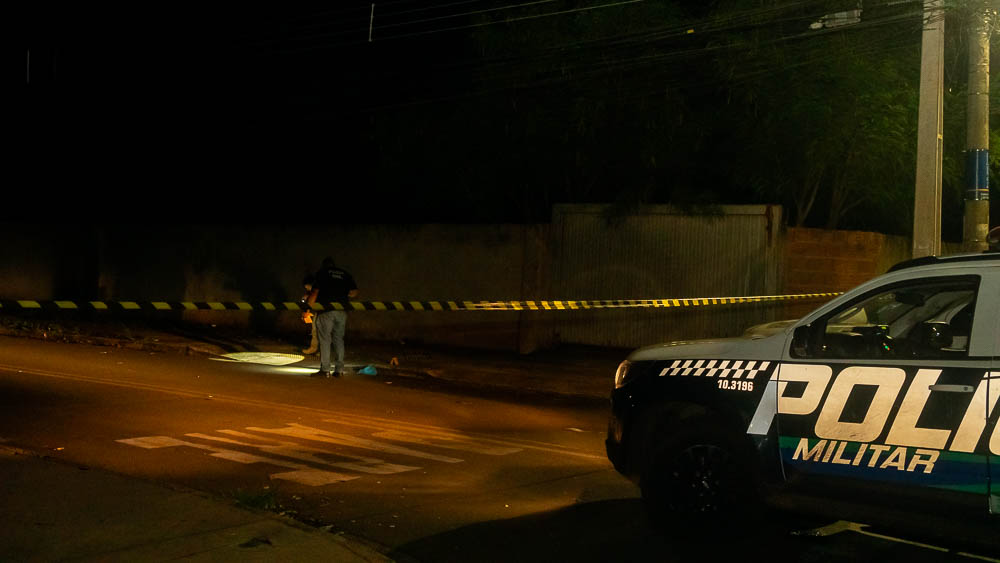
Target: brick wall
(818,261)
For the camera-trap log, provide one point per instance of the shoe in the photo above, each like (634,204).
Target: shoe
(320,373)
(333,374)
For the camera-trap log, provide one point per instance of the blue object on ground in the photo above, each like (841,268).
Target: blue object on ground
(368,370)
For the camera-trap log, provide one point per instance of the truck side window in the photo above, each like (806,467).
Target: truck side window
(923,319)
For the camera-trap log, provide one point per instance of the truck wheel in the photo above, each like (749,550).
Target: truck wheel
(699,474)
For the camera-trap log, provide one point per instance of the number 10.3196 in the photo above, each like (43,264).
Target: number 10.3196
(732,385)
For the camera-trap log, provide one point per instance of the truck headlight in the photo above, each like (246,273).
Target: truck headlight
(621,376)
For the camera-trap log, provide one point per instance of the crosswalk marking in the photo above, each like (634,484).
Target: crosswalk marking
(305,432)
(307,454)
(356,420)
(152,442)
(443,442)
(303,474)
(371,423)
(304,470)
(316,457)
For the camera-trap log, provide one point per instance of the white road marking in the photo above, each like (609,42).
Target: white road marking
(153,442)
(315,434)
(352,420)
(289,454)
(845,526)
(302,474)
(438,432)
(452,444)
(305,453)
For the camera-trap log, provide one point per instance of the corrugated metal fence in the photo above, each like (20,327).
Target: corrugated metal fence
(657,252)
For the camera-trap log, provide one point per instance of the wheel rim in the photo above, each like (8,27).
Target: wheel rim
(700,479)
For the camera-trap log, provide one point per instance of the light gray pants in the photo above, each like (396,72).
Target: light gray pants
(330,328)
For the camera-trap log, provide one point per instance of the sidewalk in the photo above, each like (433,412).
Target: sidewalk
(53,512)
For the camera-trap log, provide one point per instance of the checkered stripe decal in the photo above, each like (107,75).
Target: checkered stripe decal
(737,369)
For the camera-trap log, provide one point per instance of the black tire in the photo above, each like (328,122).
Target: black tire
(699,474)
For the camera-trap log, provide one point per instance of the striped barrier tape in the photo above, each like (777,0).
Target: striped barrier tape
(400,305)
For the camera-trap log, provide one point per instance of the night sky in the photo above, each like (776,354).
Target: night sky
(204,109)
(223,113)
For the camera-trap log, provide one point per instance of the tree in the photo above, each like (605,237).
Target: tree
(682,102)
(834,119)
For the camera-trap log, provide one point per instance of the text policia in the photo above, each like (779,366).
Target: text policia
(907,445)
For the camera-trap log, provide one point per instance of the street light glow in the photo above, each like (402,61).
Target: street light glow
(265,358)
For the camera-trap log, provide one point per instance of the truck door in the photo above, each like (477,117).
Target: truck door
(886,397)
(994,395)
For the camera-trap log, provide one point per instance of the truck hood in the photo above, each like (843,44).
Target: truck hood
(769,348)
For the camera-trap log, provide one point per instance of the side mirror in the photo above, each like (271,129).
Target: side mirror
(800,341)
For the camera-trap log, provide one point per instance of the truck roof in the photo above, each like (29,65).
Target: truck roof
(991,255)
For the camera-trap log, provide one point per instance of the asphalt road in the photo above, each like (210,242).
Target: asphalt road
(430,474)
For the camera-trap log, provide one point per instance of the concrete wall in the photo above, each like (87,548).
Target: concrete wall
(658,252)
(389,263)
(41,261)
(240,263)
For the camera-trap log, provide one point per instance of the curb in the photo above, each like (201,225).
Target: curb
(186,348)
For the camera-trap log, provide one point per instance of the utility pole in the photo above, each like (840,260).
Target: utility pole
(930,125)
(977,137)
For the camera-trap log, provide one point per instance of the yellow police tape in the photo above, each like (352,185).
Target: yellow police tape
(402,305)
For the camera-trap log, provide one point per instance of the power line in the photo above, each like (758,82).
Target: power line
(380,15)
(365,7)
(473,13)
(721,22)
(745,14)
(578,67)
(366,18)
(519,19)
(883,44)
(674,54)
(508,20)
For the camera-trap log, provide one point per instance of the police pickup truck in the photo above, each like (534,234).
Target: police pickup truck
(886,395)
